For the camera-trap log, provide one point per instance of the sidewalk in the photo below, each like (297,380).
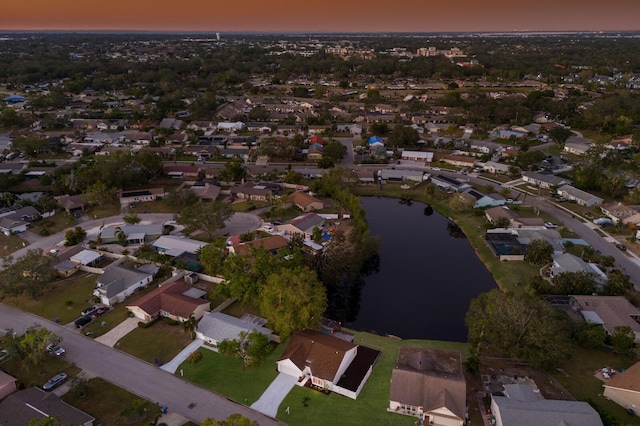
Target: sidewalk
(173,365)
(111,338)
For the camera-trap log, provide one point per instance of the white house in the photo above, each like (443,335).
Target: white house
(216,327)
(581,197)
(118,282)
(226,126)
(324,361)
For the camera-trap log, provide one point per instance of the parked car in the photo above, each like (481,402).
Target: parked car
(603,221)
(4,355)
(55,381)
(621,246)
(99,312)
(550,225)
(90,310)
(82,321)
(56,350)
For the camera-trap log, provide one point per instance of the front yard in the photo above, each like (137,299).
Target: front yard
(225,375)
(111,405)
(159,341)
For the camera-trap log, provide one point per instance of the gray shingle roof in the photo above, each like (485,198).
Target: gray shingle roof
(219,326)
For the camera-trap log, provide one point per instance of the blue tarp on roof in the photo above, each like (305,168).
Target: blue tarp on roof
(374,139)
(14,99)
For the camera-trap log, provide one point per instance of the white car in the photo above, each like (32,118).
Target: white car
(56,350)
(550,225)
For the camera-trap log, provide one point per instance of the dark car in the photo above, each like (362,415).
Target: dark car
(82,321)
(621,247)
(55,381)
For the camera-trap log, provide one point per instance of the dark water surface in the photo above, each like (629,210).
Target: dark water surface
(427,277)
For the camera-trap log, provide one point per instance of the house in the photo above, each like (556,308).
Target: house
(230,127)
(253,191)
(376,144)
(171,123)
(490,200)
(577,146)
(305,201)
(423,157)
(429,384)
(119,281)
(521,405)
(327,362)
(271,244)
(303,224)
(608,311)
(86,257)
(505,245)
(543,180)
(459,160)
(566,262)
(10,226)
(7,384)
(618,212)
(133,234)
(71,203)
(139,195)
(401,175)
(174,246)
(447,183)
(583,198)
(216,327)
(314,152)
(34,404)
(178,171)
(205,191)
(624,389)
(177,301)
(496,168)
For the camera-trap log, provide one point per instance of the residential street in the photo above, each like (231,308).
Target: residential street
(136,376)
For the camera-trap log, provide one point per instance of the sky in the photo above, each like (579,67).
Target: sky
(321,15)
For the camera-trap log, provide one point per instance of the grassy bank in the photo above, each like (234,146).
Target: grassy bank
(511,276)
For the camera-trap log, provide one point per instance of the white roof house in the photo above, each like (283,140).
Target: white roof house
(86,257)
(216,327)
(175,246)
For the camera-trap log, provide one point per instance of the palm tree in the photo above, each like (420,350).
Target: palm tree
(189,326)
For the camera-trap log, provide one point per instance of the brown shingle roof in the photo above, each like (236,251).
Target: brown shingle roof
(303,199)
(629,379)
(270,243)
(321,352)
(169,298)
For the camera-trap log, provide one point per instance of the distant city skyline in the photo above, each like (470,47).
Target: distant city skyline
(318,17)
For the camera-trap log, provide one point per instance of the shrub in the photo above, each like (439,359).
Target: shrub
(194,357)
(169,321)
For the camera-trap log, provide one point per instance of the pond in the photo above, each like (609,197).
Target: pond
(428,273)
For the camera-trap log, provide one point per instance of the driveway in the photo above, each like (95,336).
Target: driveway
(274,395)
(173,365)
(182,397)
(118,332)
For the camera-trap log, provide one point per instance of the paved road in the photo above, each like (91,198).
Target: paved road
(136,376)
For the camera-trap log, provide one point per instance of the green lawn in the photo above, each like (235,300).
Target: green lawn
(107,402)
(581,382)
(159,341)
(31,375)
(370,407)
(225,375)
(66,299)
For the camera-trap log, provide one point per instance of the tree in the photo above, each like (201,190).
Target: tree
(517,326)
(539,251)
(31,347)
(251,347)
(334,150)
(131,219)
(75,236)
(325,163)
(30,275)
(293,299)
(232,420)
(403,136)
(208,217)
(560,134)
(189,326)
(212,256)
(622,340)
(181,198)
(590,336)
(98,193)
(234,171)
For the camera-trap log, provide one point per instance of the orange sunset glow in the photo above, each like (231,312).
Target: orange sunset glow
(320,16)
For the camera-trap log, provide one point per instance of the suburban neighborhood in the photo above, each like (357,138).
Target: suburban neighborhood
(184,239)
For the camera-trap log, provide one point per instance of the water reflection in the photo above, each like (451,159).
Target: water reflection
(424,279)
